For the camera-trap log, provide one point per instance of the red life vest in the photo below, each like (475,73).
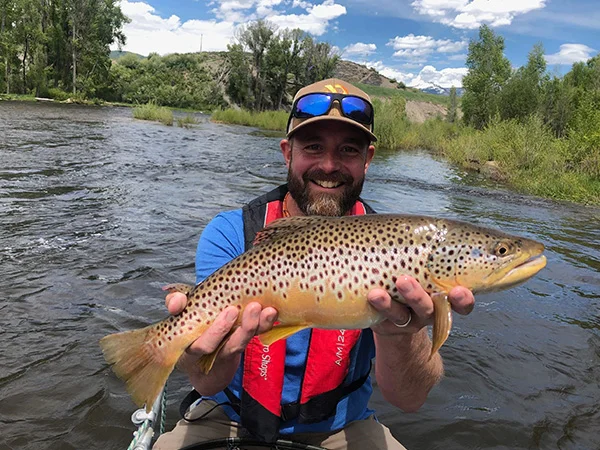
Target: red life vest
(327,365)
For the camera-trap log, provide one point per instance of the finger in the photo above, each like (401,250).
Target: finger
(395,312)
(415,297)
(462,300)
(246,331)
(176,303)
(268,317)
(209,341)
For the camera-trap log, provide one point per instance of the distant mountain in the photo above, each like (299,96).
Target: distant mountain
(116,54)
(432,88)
(357,73)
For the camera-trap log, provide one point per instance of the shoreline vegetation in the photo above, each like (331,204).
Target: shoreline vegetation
(152,112)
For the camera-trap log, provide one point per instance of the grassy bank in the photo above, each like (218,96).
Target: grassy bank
(18,97)
(187,121)
(268,120)
(528,157)
(151,111)
(525,156)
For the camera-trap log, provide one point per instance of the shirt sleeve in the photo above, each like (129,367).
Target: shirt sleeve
(221,241)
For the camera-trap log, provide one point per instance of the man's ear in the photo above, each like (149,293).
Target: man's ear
(286,150)
(370,154)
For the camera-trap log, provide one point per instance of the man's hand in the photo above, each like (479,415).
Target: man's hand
(404,370)
(255,320)
(418,307)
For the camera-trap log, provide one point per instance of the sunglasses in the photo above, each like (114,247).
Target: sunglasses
(319,104)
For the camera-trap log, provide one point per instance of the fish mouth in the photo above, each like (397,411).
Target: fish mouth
(521,273)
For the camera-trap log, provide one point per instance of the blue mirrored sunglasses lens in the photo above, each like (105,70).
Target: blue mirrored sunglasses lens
(357,109)
(312,105)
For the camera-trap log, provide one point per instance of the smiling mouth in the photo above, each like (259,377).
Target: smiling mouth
(327,184)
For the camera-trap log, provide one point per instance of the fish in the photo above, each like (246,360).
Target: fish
(316,272)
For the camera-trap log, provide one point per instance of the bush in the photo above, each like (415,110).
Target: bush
(391,124)
(187,121)
(58,94)
(530,158)
(151,111)
(268,120)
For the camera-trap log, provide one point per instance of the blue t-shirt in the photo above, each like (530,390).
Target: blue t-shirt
(221,241)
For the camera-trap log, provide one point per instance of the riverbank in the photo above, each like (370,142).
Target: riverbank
(524,156)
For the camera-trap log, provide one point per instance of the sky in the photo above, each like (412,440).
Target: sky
(418,42)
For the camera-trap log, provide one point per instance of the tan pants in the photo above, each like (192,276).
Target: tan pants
(359,435)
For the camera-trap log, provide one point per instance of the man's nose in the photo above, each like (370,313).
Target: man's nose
(330,161)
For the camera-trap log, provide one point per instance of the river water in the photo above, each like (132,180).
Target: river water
(98,211)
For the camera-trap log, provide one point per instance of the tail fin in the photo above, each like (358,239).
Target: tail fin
(143,362)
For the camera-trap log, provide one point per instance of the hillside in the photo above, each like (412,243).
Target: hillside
(420,105)
(357,73)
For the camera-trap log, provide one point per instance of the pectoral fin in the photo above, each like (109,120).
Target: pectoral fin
(179,287)
(206,362)
(442,321)
(280,332)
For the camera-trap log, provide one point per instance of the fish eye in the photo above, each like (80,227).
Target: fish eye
(502,249)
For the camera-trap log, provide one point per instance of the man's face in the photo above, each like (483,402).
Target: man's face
(327,162)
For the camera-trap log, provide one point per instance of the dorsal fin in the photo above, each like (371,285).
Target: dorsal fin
(284,226)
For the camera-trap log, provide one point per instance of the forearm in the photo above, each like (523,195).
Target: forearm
(404,372)
(216,380)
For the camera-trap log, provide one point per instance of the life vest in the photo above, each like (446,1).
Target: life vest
(327,364)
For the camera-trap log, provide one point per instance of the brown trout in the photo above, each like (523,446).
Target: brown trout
(316,272)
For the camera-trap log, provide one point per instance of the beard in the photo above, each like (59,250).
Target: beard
(323,204)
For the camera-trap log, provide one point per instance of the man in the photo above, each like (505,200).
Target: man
(327,151)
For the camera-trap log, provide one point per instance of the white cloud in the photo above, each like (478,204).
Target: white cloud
(316,21)
(300,4)
(149,32)
(264,8)
(416,48)
(389,72)
(360,49)
(233,10)
(427,77)
(570,53)
(469,14)
(445,78)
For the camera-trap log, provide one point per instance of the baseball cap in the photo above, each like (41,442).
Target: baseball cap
(343,102)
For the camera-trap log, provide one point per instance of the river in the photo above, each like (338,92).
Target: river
(98,211)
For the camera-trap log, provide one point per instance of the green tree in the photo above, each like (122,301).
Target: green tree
(488,71)
(95,24)
(453,107)
(8,16)
(282,55)
(521,96)
(556,106)
(256,37)
(239,79)
(62,44)
(318,61)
